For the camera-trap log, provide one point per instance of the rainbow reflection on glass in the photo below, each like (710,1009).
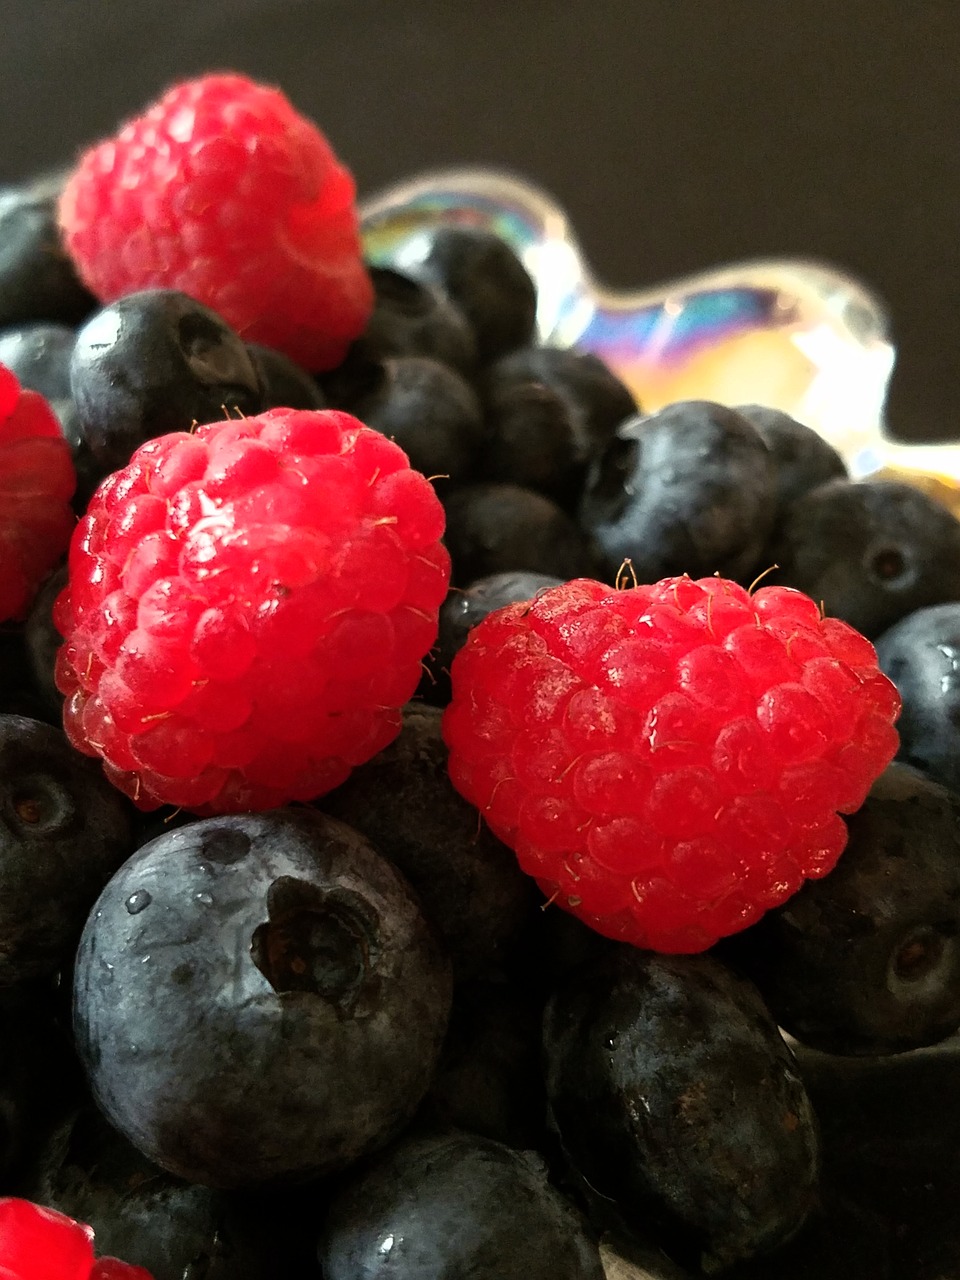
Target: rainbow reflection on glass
(796,335)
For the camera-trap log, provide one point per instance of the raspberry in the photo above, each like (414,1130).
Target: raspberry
(37,480)
(668,761)
(247,609)
(223,191)
(42,1244)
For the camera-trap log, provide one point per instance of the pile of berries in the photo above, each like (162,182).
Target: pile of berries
(428,849)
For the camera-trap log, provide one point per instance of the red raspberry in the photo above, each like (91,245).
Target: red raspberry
(37,480)
(42,1244)
(223,191)
(669,761)
(247,610)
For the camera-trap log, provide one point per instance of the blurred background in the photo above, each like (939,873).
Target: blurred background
(679,134)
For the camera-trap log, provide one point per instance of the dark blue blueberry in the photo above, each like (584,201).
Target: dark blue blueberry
(839,1241)
(19,692)
(431,412)
(549,412)
(63,832)
(489,1079)
(259,998)
(142,1214)
(455,1205)
(469,883)
(501,528)
(679,1105)
(411,318)
(891,1147)
(39,354)
(486,280)
(40,1082)
(37,278)
(871,551)
(43,641)
(283,384)
(921,655)
(463,609)
(867,960)
(691,489)
(154,362)
(801,455)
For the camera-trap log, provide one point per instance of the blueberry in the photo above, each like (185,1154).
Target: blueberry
(678,1103)
(455,1205)
(872,551)
(283,384)
(43,641)
(691,489)
(19,691)
(411,318)
(258,998)
(839,1241)
(37,278)
(139,1213)
(489,1080)
(549,411)
(463,609)
(64,831)
(431,412)
(867,960)
(469,883)
(154,362)
(499,528)
(921,655)
(802,457)
(484,277)
(39,354)
(891,1146)
(39,1082)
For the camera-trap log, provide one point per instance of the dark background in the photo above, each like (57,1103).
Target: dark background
(679,133)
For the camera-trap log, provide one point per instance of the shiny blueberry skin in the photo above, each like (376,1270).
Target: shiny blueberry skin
(431,412)
(486,280)
(258,998)
(140,1213)
(500,528)
(471,888)
(867,960)
(873,551)
(691,489)
(283,384)
(455,1205)
(802,457)
(412,318)
(921,655)
(549,413)
(37,278)
(679,1105)
(63,832)
(153,362)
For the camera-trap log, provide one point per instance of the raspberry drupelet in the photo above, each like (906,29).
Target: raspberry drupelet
(37,480)
(42,1244)
(223,191)
(668,761)
(247,610)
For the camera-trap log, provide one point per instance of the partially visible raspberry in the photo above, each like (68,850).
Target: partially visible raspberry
(42,1244)
(669,761)
(223,191)
(247,610)
(37,480)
